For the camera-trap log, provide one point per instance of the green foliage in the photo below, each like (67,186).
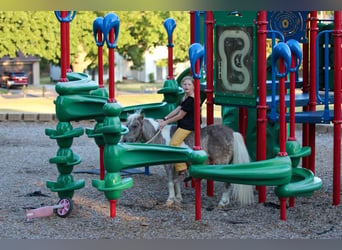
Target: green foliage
(38,33)
(151,77)
(162,63)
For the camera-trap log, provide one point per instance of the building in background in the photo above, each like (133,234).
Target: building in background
(28,64)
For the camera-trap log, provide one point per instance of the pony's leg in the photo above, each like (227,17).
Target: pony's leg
(225,196)
(169,173)
(177,185)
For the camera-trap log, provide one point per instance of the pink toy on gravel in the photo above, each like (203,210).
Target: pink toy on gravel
(62,209)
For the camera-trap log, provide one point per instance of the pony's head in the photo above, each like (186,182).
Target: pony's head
(141,129)
(135,126)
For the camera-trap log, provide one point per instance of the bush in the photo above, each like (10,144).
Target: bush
(151,77)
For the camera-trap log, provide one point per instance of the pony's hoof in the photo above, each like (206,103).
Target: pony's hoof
(169,203)
(178,200)
(223,204)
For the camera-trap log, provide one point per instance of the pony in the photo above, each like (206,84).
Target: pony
(221,143)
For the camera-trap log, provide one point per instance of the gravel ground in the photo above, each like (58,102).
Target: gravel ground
(141,213)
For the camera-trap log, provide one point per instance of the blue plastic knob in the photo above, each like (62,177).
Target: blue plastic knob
(98,26)
(111,21)
(196,52)
(281,50)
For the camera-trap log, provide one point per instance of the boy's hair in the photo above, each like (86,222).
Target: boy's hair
(188,78)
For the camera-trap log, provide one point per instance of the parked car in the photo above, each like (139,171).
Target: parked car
(14,79)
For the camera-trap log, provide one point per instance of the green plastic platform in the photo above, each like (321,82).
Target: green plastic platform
(303,183)
(272,172)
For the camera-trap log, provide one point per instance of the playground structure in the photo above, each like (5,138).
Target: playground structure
(82,99)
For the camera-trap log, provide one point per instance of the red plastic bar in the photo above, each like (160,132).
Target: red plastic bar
(112,204)
(292,136)
(282,110)
(312,93)
(337,34)
(209,70)
(102,168)
(197,109)
(111,65)
(197,198)
(192,27)
(243,120)
(210,82)
(100,59)
(68,68)
(63,48)
(291,202)
(305,126)
(262,107)
(170,60)
(192,40)
(282,208)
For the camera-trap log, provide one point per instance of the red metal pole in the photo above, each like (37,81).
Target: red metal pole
(337,34)
(170,59)
(68,68)
(282,208)
(196,182)
(197,101)
(100,60)
(262,106)
(192,40)
(282,109)
(312,103)
(102,168)
(210,81)
(197,93)
(112,204)
(192,27)
(243,118)
(197,199)
(111,65)
(305,129)
(292,136)
(209,71)
(63,48)
(291,202)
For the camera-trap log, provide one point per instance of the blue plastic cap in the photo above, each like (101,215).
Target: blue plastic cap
(281,50)
(67,19)
(196,51)
(98,26)
(296,51)
(170,25)
(111,21)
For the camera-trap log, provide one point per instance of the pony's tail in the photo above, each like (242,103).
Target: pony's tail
(243,193)
(240,150)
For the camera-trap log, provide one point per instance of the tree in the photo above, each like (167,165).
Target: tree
(38,33)
(143,30)
(33,33)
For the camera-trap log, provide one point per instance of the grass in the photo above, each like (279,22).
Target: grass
(138,87)
(45,80)
(127,93)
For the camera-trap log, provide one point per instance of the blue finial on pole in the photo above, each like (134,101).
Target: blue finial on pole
(196,52)
(296,51)
(281,50)
(111,21)
(98,27)
(67,19)
(170,25)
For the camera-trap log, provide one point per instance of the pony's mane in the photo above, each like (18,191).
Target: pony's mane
(132,117)
(137,114)
(153,122)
